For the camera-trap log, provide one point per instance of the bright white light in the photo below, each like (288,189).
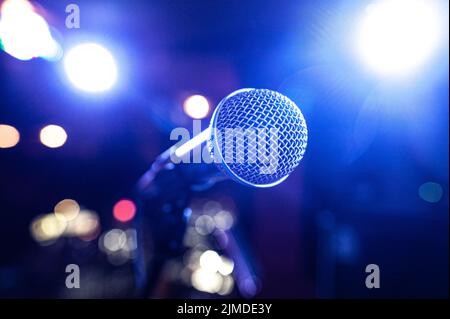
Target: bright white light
(90,67)
(223,220)
(25,34)
(226,266)
(47,228)
(114,240)
(210,261)
(196,106)
(227,286)
(53,136)
(9,136)
(85,225)
(207,281)
(397,36)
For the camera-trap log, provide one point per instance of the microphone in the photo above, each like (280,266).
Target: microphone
(256,137)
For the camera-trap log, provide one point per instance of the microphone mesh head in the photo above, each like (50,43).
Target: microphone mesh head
(269,137)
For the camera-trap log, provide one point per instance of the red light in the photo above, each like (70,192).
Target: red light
(124,210)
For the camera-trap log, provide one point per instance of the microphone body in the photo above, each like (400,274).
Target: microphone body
(256,137)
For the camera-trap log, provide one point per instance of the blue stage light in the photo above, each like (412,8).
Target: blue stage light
(395,37)
(90,67)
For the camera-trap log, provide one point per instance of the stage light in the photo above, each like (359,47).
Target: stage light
(24,34)
(431,192)
(85,225)
(90,67)
(196,106)
(397,36)
(67,210)
(53,136)
(124,210)
(9,136)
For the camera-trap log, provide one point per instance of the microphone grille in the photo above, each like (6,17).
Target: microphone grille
(275,119)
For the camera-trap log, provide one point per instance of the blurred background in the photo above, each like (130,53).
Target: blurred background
(84,111)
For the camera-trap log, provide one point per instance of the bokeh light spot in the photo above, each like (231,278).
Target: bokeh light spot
(67,210)
(114,240)
(124,210)
(9,136)
(206,281)
(196,106)
(210,261)
(90,67)
(223,220)
(396,36)
(227,286)
(53,136)
(204,225)
(431,192)
(226,266)
(25,34)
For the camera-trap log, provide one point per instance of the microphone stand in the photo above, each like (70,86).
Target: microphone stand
(162,195)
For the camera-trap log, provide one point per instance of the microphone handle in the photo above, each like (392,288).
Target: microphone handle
(164,161)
